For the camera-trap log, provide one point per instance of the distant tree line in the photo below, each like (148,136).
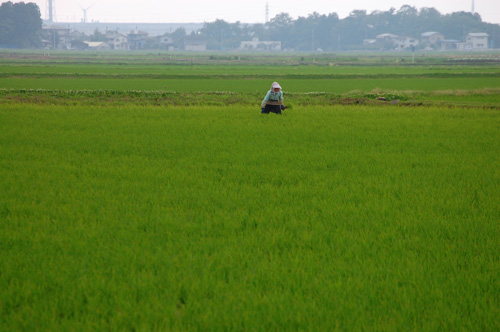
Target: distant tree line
(20,25)
(330,33)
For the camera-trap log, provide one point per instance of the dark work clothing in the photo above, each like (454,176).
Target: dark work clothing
(272,108)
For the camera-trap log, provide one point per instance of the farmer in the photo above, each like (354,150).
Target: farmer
(273,102)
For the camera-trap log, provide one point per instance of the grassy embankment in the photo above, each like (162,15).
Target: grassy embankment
(160,80)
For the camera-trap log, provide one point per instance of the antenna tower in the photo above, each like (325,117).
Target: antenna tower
(51,11)
(473,9)
(267,12)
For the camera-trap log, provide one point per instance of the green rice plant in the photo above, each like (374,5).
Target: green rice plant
(204,218)
(251,84)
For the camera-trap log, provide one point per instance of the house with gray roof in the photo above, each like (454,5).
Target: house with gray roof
(477,41)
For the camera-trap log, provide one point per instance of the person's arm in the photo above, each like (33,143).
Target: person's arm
(282,101)
(266,98)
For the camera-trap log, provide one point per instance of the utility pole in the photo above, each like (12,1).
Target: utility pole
(473,9)
(314,54)
(267,12)
(313,40)
(221,40)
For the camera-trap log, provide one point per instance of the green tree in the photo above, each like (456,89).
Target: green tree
(457,25)
(407,21)
(221,35)
(352,30)
(329,33)
(260,31)
(98,36)
(324,36)
(429,19)
(178,36)
(20,24)
(280,28)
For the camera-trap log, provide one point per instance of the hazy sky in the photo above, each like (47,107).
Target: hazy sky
(246,11)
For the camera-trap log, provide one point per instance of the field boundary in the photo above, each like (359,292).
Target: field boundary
(247,76)
(221,98)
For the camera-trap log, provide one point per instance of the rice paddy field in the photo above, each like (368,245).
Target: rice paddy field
(146,192)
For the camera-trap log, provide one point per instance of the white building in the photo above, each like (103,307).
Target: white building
(117,41)
(387,37)
(97,46)
(195,43)
(431,38)
(403,43)
(477,41)
(449,44)
(166,42)
(257,45)
(56,36)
